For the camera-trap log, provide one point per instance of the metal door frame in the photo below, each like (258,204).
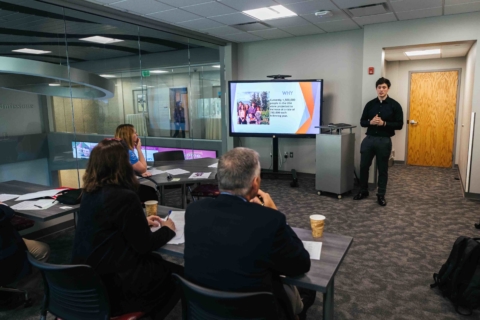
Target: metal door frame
(459,70)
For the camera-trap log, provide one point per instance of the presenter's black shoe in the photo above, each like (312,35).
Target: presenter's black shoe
(361,195)
(381,200)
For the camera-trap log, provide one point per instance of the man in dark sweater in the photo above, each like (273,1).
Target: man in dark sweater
(382,116)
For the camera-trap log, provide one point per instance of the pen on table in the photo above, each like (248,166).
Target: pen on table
(168,215)
(37,206)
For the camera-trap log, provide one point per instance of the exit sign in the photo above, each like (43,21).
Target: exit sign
(145,73)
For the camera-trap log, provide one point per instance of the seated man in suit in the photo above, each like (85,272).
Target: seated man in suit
(239,241)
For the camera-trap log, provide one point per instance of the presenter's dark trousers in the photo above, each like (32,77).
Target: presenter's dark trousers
(379,147)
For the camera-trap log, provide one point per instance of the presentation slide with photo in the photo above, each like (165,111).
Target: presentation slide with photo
(276,107)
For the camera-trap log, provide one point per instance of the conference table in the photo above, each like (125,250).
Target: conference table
(194,165)
(322,272)
(21,188)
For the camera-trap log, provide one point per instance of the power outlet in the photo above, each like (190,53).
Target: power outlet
(291,154)
(286,155)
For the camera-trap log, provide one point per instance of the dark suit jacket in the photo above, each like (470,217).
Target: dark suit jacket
(233,245)
(13,257)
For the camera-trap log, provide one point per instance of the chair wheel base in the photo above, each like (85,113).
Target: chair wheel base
(477,225)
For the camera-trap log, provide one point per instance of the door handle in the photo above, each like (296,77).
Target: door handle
(413,122)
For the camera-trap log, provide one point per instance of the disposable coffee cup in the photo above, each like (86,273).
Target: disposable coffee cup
(151,207)
(317,223)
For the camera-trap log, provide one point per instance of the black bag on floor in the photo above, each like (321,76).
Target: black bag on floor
(70,196)
(459,277)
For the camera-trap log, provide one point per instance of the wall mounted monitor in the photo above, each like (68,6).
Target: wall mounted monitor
(283,108)
(82,150)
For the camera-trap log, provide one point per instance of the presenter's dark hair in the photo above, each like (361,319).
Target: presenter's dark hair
(236,170)
(109,164)
(383,80)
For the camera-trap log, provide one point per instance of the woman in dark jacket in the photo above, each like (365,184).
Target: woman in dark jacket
(113,236)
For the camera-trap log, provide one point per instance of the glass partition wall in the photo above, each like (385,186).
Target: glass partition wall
(88,74)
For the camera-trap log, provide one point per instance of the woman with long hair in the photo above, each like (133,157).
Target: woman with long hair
(114,237)
(127,133)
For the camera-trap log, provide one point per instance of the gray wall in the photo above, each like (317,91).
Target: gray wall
(335,57)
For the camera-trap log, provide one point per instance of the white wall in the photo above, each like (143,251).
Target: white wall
(465,116)
(335,57)
(460,27)
(398,73)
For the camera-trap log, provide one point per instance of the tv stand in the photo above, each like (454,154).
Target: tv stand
(275,172)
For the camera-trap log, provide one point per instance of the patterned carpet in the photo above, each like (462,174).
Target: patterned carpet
(396,249)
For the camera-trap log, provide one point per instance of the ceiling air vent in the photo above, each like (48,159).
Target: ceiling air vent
(252,26)
(369,10)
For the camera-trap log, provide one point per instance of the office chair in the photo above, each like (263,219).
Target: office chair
(199,303)
(202,190)
(75,292)
(146,192)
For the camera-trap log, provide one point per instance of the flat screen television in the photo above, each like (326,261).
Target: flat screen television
(281,108)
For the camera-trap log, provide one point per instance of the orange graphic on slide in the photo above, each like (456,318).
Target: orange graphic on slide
(308,96)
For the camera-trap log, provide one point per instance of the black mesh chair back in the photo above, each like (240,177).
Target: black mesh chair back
(200,303)
(73,292)
(167,156)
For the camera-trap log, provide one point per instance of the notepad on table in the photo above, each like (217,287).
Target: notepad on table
(178,218)
(6,197)
(314,249)
(40,194)
(35,205)
(200,175)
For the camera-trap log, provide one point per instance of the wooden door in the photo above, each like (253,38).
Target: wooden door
(431,127)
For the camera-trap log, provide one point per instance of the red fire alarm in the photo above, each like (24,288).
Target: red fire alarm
(371,70)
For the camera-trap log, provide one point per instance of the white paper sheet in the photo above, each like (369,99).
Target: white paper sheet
(154,171)
(215,165)
(314,249)
(40,194)
(200,175)
(174,172)
(34,205)
(6,197)
(178,218)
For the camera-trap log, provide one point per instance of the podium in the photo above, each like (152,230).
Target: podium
(335,153)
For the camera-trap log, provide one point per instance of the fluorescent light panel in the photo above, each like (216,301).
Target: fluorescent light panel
(422,52)
(54,84)
(158,71)
(32,51)
(100,39)
(108,76)
(270,13)
(216,66)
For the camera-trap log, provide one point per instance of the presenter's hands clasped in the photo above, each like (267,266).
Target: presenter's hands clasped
(264,199)
(169,223)
(377,121)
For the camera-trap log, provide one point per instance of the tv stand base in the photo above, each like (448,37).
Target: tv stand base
(280,174)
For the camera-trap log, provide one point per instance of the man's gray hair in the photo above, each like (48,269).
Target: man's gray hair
(236,170)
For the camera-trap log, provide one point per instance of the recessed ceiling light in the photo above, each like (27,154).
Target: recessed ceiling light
(54,84)
(270,13)
(216,66)
(158,71)
(100,39)
(422,52)
(108,75)
(323,13)
(32,51)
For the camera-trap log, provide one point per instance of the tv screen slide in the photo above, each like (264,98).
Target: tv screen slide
(82,150)
(267,108)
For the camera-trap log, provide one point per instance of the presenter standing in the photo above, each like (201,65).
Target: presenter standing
(382,116)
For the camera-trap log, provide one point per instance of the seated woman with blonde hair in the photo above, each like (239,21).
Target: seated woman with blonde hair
(127,133)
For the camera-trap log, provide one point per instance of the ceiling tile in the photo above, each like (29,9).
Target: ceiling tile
(284,2)
(209,9)
(147,6)
(303,30)
(233,18)
(174,16)
(463,8)
(183,3)
(428,56)
(221,31)
(337,15)
(242,37)
(104,1)
(416,14)
(379,18)
(287,22)
(311,6)
(343,4)
(200,24)
(395,56)
(339,25)
(453,2)
(410,5)
(272,34)
(243,5)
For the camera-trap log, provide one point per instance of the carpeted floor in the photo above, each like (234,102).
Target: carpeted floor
(396,249)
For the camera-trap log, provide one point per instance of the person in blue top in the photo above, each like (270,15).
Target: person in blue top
(127,133)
